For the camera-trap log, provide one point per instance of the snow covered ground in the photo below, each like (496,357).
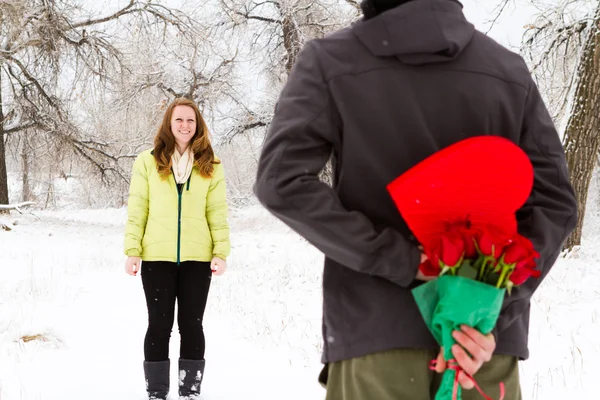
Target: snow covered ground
(61,277)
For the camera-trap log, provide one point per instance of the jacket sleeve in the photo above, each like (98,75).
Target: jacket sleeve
(550,213)
(137,209)
(299,142)
(217,212)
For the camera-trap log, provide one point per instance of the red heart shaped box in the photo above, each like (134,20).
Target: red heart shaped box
(484,179)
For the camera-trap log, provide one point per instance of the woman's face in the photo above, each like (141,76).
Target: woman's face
(183,125)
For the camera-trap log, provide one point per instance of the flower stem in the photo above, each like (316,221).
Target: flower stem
(501,278)
(506,270)
(482,269)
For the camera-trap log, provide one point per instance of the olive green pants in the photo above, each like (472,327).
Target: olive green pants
(403,374)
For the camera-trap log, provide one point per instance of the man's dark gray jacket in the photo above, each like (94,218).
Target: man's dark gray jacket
(380,96)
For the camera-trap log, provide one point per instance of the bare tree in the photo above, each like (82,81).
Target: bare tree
(283,26)
(197,67)
(564,49)
(278,31)
(43,44)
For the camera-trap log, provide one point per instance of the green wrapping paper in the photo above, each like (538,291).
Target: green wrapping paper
(448,302)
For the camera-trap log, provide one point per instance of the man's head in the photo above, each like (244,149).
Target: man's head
(371,8)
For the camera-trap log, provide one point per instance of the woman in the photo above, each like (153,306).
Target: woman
(177,224)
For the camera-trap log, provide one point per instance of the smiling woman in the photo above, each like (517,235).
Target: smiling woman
(183,129)
(177,224)
(183,126)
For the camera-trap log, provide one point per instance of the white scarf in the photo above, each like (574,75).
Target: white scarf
(182,165)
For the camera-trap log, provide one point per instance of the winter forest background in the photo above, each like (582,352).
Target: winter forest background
(83,85)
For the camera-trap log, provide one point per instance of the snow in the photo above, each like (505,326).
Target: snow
(61,277)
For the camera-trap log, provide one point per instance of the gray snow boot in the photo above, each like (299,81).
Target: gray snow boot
(191,373)
(157,379)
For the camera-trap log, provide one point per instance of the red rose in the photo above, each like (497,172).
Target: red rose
(448,249)
(427,268)
(468,236)
(524,272)
(491,243)
(520,251)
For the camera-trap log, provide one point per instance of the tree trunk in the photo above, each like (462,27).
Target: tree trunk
(582,136)
(50,198)
(26,192)
(291,42)
(3,173)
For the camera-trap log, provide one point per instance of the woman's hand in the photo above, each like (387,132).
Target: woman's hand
(132,265)
(218,266)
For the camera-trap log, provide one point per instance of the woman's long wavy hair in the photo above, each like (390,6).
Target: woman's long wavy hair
(164,142)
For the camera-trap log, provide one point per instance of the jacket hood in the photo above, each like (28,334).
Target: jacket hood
(418,32)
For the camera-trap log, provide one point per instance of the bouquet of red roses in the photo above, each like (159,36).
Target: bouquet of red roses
(481,254)
(460,204)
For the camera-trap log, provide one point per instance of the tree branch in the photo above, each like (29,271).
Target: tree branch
(126,10)
(562,36)
(258,18)
(354,4)
(500,9)
(34,81)
(21,128)
(16,207)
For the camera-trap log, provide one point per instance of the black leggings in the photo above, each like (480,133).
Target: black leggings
(163,283)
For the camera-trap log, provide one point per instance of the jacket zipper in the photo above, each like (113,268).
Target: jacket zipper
(179,194)
(179,228)
(178,219)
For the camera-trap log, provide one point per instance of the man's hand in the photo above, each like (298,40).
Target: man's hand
(480,346)
(420,276)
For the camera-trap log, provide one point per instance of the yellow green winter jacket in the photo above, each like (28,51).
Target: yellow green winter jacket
(164,225)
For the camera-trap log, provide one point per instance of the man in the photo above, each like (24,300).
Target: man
(411,78)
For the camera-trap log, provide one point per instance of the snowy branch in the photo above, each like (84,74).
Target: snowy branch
(20,128)
(354,4)
(498,11)
(16,207)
